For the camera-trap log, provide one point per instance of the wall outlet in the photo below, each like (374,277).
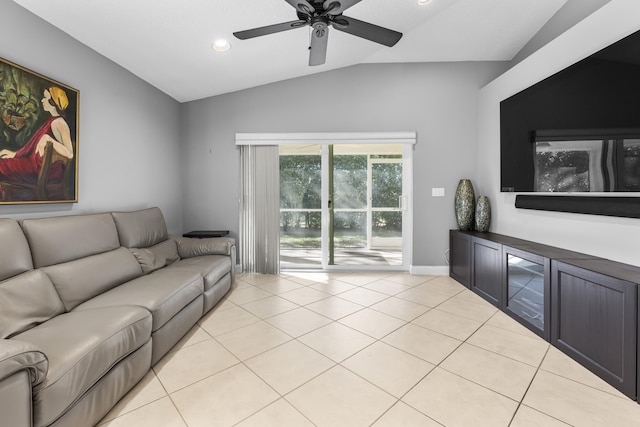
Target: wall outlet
(437,192)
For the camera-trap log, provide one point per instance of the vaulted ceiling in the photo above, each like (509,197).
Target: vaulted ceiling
(168,43)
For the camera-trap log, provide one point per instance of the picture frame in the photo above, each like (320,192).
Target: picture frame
(39,138)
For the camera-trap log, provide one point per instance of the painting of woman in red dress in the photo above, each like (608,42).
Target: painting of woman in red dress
(20,168)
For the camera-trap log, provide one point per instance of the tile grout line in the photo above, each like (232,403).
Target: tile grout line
(528,387)
(264,287)
(340,363)
(449,355)
(378,340)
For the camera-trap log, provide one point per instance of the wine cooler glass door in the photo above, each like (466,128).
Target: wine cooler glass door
(526,290)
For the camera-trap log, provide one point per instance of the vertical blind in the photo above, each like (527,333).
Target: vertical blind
(260,209)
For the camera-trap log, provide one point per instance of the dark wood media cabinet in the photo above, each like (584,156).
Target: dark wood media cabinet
(585,306)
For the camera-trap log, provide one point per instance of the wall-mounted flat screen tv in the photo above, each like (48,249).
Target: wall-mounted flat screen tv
(578,130)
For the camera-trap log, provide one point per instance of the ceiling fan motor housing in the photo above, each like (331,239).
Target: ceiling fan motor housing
(319,21)
(304,13)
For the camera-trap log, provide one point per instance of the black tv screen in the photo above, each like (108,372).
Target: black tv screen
(578,130)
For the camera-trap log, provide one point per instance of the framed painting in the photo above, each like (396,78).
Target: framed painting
(38,138)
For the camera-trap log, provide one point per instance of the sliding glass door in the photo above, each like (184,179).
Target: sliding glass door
(343,206)
(387,204)
(301,206)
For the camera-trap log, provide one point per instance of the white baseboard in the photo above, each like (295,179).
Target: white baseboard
(419,270)
(430,270)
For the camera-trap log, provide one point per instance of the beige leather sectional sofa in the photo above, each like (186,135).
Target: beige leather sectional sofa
(88,303)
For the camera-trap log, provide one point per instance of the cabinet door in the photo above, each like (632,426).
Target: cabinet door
(460,257)
(594,322)
(486,270)
(527,289)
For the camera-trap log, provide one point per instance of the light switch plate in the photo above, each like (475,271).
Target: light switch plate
(437,192)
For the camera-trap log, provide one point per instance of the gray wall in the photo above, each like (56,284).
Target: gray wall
(129,131)
(438,101)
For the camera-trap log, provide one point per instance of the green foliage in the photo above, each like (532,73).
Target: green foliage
(387,185)
(350,181)
(350,221)
(300,188)
(311,239)
(19,105)
(300,182)
(387,221)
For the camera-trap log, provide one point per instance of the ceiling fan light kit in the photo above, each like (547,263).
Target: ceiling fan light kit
(320,15)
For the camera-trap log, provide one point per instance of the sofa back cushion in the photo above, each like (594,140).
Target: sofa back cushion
(81,279)
(27,300)
(61,239)
(15,256)
(156,256)
(141,229)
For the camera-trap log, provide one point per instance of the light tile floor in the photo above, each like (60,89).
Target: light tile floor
(374,349)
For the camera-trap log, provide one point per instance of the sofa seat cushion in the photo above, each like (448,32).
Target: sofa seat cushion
(164,293)
(210,267)
(82,346)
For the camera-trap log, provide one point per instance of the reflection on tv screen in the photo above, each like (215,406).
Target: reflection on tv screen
(587,165)
(631,165)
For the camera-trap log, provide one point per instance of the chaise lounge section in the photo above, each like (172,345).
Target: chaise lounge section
(88,303)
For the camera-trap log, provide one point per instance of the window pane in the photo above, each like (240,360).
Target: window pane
(300,180)
(387,185)
(300,229)
(350,181)
(350,230)
(300,238)
(387,224)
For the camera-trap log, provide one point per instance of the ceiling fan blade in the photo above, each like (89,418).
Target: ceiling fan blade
(269,29)
(319,39)
(302,6)
(342,5)
(367,31)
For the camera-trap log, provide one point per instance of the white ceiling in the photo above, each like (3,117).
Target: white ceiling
(168,42)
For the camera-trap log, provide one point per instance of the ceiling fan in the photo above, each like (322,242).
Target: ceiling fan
(320,14)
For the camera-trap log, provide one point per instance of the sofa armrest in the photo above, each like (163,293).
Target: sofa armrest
(189,247)
(16,356)
(22,367)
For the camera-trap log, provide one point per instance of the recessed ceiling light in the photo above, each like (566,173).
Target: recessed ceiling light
(423,2)
(221,45)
